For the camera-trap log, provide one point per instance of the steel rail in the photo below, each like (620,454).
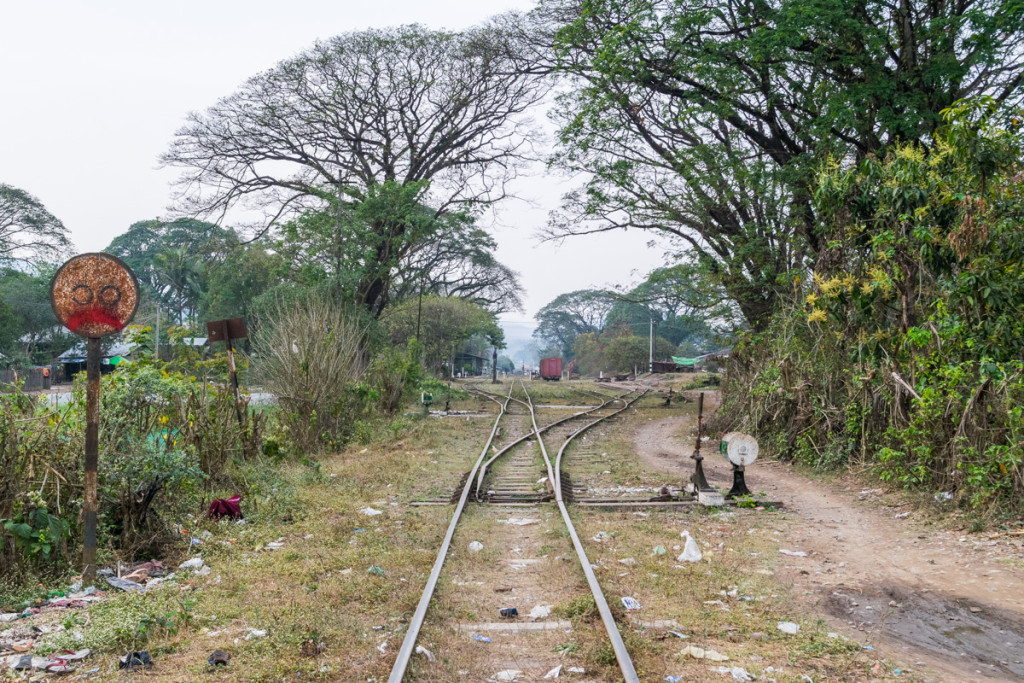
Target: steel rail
(416,623)
(621,653)
(568,440)
(409,643)
(482,473)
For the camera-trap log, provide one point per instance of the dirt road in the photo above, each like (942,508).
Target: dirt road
(946,604)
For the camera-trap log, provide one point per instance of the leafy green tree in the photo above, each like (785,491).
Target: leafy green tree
(231,287)
(903,351)
(174,259)
(927,248)
(36,336)
(686,305)
(10,328)
(390,246)
(179,273)
(706,122)
(28,232)
(571,314)
(443,323)
(629,351)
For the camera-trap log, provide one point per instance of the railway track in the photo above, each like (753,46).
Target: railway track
(514,482)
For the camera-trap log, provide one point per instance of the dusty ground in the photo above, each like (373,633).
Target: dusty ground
(942,602)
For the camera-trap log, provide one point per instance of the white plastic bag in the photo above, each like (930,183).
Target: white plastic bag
(691,551)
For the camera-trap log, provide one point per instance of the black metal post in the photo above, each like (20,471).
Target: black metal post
(90,505)
(698,478)
(739,483)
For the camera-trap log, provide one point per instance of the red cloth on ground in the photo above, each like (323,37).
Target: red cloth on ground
(226,507)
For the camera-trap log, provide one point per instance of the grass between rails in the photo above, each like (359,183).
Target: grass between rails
(317,587)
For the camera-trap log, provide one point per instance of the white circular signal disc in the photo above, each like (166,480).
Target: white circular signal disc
(742,450)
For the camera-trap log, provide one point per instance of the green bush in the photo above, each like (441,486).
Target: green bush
(903,352)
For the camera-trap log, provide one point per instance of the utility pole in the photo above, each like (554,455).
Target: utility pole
(419,309)
(650,367)
(337,246)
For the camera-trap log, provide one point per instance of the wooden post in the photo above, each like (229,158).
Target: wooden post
(90,505)
(234,375)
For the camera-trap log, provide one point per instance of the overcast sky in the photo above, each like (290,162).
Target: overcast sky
(92,93)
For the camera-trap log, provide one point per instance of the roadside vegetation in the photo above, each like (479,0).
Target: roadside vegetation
(838,189)
(902,351)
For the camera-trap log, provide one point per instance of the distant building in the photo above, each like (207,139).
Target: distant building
(72,361)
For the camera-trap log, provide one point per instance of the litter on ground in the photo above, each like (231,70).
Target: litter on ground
(540,611)
(738,673)
(520,521)
(631,603)
(701,653)
(691,551)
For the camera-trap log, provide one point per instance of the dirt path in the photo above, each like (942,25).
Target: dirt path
(944,603)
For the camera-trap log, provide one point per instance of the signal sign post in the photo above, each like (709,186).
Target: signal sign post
(94,296)
(225,331)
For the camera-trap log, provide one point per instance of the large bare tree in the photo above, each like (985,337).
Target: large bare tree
(395,106)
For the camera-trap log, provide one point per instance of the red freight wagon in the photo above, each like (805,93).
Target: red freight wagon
(551,368)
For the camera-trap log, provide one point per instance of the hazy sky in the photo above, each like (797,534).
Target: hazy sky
(92,93)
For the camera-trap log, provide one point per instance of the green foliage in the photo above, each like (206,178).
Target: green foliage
(442,323)
(393,372)
(441,389)
(37,533)
(26,318)
(627,352)
(28,231)
(387,244)
(705,123)
(40,483)
(570,315)
(175,261)
(903,351)
(126,621)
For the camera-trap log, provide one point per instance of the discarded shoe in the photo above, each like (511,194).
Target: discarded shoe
(70,656)
(134,660)
(508,612)
(58,666)
(22,663)
(218,658)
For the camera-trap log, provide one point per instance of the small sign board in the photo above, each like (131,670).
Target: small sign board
(222,330)
(94,295)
